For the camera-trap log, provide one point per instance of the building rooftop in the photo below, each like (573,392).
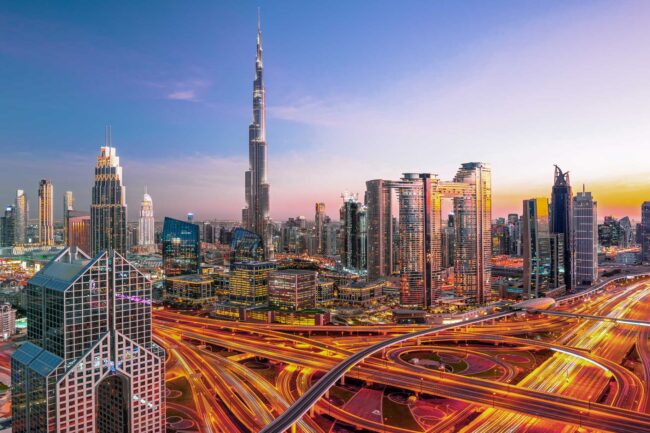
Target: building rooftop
(192,278)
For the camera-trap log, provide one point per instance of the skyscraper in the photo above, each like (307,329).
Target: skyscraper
(45,212)
(90,364)
(108,207)
(255,216)
(586,238)
(68,206)
(355,230)
(22,217)
(319,220)
(146,233)
(561,221)
(419,238)
(645,231)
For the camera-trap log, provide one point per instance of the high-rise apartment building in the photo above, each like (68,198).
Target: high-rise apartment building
(293,289)
(68,206)
(90,364)
(146,229)
(561,221)
(645,231)
(255,216)
(379,201)
(319,221)
(22,217)
(472,217)
(108,207)
(586,238)
(417,233)
(45,212)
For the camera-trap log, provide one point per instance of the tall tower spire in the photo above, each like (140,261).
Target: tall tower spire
(255,216)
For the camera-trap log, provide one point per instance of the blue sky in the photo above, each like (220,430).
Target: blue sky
(356,90)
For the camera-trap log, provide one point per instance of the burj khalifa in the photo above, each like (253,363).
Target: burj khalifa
(255,216)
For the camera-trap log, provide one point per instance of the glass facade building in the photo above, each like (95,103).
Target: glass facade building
(8,227)
(246,246)
(90,364)
(181,247)
(561,221)
(543,251)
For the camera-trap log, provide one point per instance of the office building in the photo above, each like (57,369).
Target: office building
(645,231)
(7,321)
(249,283)
(45,212)
(293,289)
(8,227)
(542,250)
(90,364)
(181,247)
(78,229)
(22,218)
(586,242)
(146,223)
(255,216)
(319,222)
(108,207)
(561,221)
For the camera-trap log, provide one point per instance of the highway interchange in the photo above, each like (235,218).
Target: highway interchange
(582,380)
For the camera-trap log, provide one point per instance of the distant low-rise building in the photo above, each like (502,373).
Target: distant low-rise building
(361,293)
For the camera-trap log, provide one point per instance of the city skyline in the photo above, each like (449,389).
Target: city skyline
(206,149)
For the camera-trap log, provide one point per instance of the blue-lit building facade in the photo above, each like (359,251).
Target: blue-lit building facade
(181,247)
(246,245)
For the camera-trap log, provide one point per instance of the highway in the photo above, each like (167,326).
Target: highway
(589,356)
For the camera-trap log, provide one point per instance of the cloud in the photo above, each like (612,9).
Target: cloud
(183,95)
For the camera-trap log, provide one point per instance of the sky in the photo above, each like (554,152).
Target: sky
(356,90)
